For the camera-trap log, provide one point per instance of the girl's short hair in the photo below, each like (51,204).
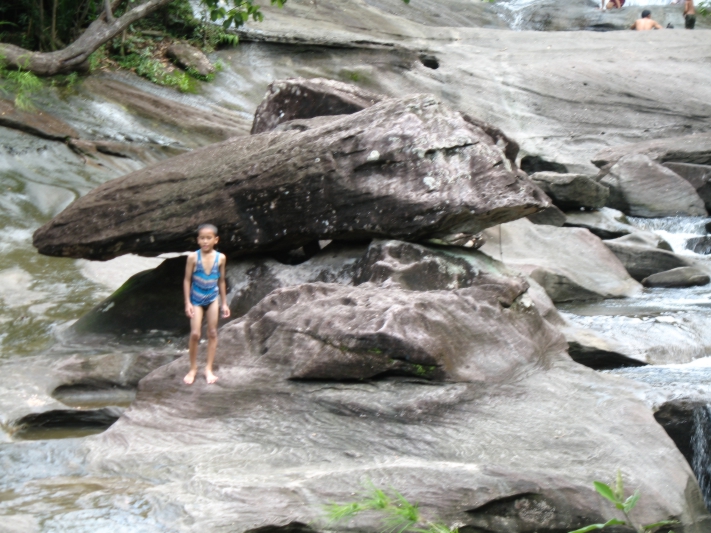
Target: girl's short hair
(211,227)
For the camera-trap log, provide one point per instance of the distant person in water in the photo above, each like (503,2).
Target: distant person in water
(205,289)
(611,4)
(689,14)
(646,22)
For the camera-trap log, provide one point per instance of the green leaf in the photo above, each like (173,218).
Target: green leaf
(660,524)
(605,491)
(630,502)
(593,527)
(619,487)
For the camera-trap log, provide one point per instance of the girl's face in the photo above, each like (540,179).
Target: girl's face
(207,240)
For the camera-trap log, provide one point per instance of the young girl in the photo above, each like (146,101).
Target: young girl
(204,288)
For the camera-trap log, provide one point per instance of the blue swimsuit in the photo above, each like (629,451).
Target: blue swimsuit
(204,289)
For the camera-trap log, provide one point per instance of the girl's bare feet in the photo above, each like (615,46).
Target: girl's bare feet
(210,377)
(190,376)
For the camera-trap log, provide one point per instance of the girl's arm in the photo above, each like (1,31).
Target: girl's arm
(223,287)
(187,282)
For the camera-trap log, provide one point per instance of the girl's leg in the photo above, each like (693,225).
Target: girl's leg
(213,313)
(195,327)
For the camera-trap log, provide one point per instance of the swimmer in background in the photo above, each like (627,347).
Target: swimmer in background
(611,4)
(646,22)
(204,288)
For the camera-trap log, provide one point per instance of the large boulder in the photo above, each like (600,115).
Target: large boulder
(191,59)
(571,191)
(151,302)
(641,187)
(299,98)
(698,176)
(570,263)
(408,168)
(642,257)
(324,388)
(695,149)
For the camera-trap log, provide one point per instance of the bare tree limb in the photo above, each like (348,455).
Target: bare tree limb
(107,10)
(74,56)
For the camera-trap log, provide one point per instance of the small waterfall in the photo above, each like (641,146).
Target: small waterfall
(677,231)
(700,443)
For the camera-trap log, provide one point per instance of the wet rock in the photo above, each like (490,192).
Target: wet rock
(694,149)
(392,430)
(606,223)
(570,263)
(190,58)
(300,98)
(677,277)
(205,125)
(642,257)
(699,245)
(677,419)
(551,216)
(595,351)
(698,176)
(571,191)
(641,187)
(407,168)
(39,123)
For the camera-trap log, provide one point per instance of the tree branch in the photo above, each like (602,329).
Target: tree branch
(74,56)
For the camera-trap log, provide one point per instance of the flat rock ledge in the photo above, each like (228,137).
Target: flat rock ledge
(408,168)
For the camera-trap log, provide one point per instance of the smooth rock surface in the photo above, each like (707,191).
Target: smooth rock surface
(188,57)
(276,448)
(698,176)
(551,216)
(643,188)
(570,263)
(299,98)
(641,256)
(405,168)
(39,123)
(606,223)
(695,149)
(571,191)
(677,277)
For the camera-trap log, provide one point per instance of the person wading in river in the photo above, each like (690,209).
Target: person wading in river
(204,288)
(646,22)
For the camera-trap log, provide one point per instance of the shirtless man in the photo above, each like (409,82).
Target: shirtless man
(689,15)
(646,22)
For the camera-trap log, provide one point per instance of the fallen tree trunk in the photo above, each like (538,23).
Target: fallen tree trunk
(75,56)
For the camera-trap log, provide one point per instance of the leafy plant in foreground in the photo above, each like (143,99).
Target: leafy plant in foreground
(616,495)
(399,515)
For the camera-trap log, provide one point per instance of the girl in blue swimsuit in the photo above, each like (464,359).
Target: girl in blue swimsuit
(204,288)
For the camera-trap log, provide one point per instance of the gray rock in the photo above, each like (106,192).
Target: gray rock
(677,277)
(698,176)
(41,123)
(606,223)
(532,164)
(694,149)
(551,216)
(263,418)
(640,187)
(642,257)
(190,58)
(700,245)
(406,168)
(570,263)
(299,98)
(593,350)
(571,191)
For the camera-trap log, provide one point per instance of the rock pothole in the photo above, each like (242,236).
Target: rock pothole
(60,423)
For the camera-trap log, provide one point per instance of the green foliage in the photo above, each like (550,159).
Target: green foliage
(704,9)
(616,495)
(20,83)
(399,515)
(144,64)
